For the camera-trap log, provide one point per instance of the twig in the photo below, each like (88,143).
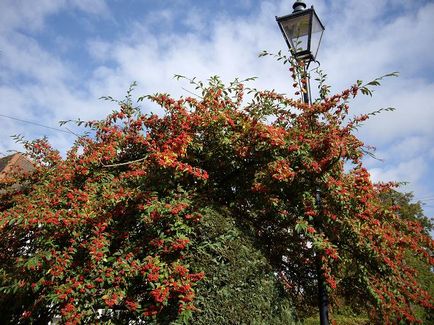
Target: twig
(124,163)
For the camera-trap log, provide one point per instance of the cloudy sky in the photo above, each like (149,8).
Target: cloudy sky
(57,57)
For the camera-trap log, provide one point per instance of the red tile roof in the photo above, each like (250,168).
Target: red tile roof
(14,161)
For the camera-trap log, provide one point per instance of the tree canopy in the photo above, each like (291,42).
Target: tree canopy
(112,231)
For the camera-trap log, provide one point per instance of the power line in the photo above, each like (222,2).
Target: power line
(425,198)
(38,124)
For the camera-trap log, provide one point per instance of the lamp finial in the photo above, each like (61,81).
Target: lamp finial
(298,5)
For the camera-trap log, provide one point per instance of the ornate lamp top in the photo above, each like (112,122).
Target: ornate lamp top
(298,5)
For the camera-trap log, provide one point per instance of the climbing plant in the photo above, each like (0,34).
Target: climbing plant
(110,231)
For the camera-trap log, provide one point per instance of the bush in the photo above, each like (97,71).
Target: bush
(240,286)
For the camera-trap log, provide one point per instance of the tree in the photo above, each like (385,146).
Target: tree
(413,211)
(115,226)
(84,236)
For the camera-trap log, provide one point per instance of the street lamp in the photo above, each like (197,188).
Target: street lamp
(303,32)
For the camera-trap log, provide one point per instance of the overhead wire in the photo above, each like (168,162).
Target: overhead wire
(40,125)
(427,198)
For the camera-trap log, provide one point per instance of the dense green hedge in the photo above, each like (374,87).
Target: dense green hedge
(240,287)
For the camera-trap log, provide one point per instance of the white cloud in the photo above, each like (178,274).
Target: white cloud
(407,171)
(431,153)
(410,147)
(99,50)
(98,7)
(22,56)
(361,45)
(196,21)
(402,149)
(230,51)
(30,16)
(25,14)
(414,103)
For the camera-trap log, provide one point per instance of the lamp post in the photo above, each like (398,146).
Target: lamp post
(303,32)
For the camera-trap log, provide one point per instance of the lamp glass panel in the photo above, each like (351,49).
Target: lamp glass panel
(317,31)
(296,30)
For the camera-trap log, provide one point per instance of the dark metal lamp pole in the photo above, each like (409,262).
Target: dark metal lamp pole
(323,299)
(303,32)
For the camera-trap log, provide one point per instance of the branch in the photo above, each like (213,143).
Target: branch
(124,163)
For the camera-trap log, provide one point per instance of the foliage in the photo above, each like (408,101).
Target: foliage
(345,311)
(112,226)
(408,210)
(82,237)
(241,287)
(413,211)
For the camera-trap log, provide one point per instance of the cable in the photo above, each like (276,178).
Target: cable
(37,124)
(425,198)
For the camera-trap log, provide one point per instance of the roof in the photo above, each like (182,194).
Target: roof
(4,162)
(13,162)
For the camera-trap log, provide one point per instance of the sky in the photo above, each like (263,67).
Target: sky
(58,57)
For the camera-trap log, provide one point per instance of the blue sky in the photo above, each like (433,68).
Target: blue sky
(57,57)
